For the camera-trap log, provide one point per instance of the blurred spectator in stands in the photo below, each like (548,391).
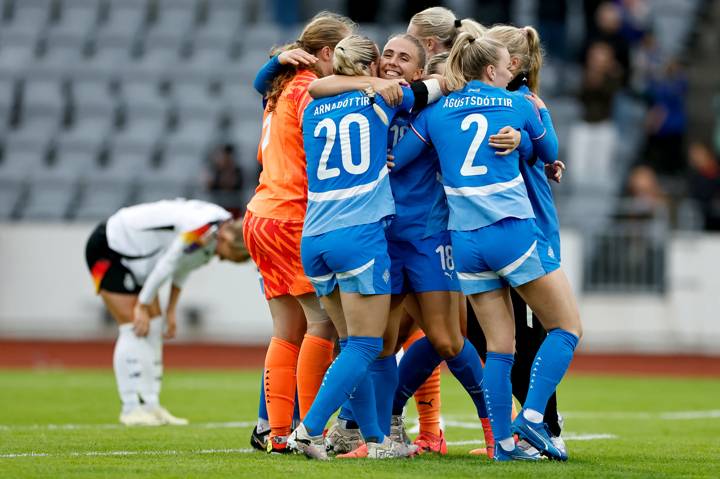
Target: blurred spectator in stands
(704,183)
(646,196)
(635,20)
(602,79)
(286,12)
(608,29)
(647,60)
(225,179)
(552,18)
(592,142)
(666,120)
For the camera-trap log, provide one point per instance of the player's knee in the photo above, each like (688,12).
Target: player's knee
(447,348)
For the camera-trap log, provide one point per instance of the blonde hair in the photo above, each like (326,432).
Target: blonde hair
(523,44)
(421,55)
(472,27)
(325,29)
(468,58)
(438,22)
(435,61)
(352,57)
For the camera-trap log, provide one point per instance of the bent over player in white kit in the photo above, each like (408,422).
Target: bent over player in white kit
(130,256)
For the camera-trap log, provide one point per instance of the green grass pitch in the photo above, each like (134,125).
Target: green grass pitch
(60,423)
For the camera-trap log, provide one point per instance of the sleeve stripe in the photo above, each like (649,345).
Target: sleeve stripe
(419,135)
(543,134)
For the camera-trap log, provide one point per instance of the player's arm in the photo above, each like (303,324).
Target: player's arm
(410,146)
(163,270)
(171,312)
(296,57)
(544,139)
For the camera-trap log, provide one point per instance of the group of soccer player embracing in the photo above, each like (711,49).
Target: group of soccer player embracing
(404,198)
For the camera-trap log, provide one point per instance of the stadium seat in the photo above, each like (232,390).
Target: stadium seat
(156,190)
(29,19)
(7,101)
(125,18)
(77,18)
(16,52)
(61,53)
(241,100)
(10,195)
(175,20)
(49,199)
(101,198)
(92,98)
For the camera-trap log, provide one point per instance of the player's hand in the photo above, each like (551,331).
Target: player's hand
(141,319)
(506,140)
(555,171)
(296,57)
(389,90)
(390,161)
(536,100)
(171,325)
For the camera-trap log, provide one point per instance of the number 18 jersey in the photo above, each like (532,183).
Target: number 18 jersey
(346,149)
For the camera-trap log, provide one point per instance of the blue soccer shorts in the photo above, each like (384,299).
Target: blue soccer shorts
(423,265)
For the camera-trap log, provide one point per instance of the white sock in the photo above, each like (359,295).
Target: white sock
(262,425)
(126,364)
(146,385)
(532,416)
(507,444)
(155,338)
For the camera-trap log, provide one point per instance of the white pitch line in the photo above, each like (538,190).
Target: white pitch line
(71,427)
(170,452)
(567,436)
(619,415)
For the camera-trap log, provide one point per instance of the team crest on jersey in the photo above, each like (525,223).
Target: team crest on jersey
(551,252)
(129,282)
(386,276)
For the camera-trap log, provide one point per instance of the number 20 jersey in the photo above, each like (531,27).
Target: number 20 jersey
(481,187)
(346,149)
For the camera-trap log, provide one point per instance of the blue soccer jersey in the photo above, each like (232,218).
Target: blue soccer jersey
(481,187)
(346,149)
(420,206)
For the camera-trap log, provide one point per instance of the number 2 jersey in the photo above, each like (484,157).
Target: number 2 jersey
(346,150)
(481,187)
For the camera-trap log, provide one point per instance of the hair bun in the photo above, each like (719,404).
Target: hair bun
(458,23)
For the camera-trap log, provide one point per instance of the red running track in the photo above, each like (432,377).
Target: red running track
(70,354)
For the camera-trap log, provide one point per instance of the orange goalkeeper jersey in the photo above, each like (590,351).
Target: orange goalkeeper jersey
(282,192)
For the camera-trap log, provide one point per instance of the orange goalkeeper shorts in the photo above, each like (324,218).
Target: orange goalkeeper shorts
(274,245)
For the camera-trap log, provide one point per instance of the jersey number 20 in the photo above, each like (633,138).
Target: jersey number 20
(468,169)
(328,124)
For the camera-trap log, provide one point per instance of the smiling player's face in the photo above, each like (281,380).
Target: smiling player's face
(400,60)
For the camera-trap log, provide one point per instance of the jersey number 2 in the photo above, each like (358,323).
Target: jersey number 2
(328,124)
(468,169)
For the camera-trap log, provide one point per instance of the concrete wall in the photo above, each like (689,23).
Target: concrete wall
(46,293)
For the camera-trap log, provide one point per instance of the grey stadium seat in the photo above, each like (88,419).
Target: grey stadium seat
(125,18)
(29,19)
(16,52)
(49,199)
(10,195)
(23,155)
(102,198)
(155,190)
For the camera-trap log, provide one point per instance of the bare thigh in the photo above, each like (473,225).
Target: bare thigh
(392,330)
(365,315)
(440,320)
(552,300)
(318,320)
(121,306)
(333,307)
(288,317)
(494,312)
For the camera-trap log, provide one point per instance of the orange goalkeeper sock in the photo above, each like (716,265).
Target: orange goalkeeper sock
(280,364)
(316,355)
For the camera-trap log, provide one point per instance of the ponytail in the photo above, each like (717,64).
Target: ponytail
(523,44)
(535,58)
(468,58)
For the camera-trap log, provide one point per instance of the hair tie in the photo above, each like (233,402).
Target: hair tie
(341,48)
(458,23)
(472,39)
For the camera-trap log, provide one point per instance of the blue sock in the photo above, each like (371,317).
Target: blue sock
(498,393)
(384,373)
(416,365)
(341,380)
(262,408)
(551,362)
(346,413)
(466,367)
(364,407)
